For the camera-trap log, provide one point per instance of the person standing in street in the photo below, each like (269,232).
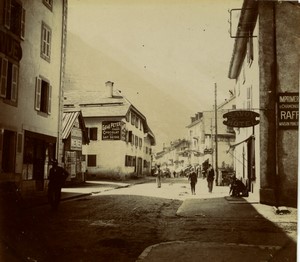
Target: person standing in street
(57,177)
(158,174)
(210,178)
(193,180)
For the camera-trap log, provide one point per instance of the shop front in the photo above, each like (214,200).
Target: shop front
(39,149)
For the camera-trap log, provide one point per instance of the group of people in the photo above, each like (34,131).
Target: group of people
(210,179)
(237,187)
(192,177)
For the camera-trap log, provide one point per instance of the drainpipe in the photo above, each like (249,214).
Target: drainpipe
(277,178)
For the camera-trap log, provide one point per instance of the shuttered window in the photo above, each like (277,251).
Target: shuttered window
(46,42)
(9,79)
(43,95)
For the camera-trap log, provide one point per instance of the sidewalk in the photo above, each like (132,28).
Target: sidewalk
(221,206)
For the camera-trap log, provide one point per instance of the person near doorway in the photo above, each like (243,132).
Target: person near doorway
(57,178)
(193,180)
(210,178)
(237,188)
(158,174)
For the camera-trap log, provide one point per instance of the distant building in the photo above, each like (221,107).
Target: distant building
(32,48)
(120,138)
(269,83)
(201,136)
(174,157)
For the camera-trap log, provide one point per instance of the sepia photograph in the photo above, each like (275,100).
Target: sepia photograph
(149,130)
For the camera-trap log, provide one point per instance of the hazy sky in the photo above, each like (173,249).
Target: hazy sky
(183,47)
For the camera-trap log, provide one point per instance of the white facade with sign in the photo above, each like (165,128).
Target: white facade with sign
(120,138)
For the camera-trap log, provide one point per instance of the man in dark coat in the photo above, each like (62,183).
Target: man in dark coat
(57,178)
(210,178)
(193,180)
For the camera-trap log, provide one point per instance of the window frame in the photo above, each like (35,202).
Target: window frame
(9,81)
(46,37)
(18,15)
(40,92)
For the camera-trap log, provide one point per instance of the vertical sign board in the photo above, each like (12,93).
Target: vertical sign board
(111,130)
(288,110)
(76,139)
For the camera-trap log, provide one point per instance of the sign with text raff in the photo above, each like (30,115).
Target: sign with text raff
(288,110)
(241,118)
(111,130)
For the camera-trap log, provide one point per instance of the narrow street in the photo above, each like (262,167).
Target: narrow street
(117,222)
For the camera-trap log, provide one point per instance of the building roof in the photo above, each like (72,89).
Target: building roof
(98,104)
(68,120)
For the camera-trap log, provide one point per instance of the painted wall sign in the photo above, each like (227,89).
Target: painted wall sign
(111,130)
(10,46)
(241,118)
(288,110)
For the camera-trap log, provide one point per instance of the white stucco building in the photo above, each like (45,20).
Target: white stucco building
(32,48)
(120,138)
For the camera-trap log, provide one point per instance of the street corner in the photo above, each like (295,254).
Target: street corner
(194,251)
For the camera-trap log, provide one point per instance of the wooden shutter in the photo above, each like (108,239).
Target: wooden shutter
(49,98)
(14,83)
(7,13)
(3,77)
(38,87)
(23,23)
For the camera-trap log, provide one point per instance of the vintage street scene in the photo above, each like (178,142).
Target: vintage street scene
(149,130)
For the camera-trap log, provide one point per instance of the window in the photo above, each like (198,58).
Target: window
(93,133)
(43,92)
(136,122)
(130,160)
(9,76)
(48,3)
(128,116)
(14,17)
(46,42)
(130,136)
(136,142)
(132,119)
(140,142)
(91,160)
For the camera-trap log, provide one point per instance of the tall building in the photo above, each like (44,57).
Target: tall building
(32,48)
(269,84)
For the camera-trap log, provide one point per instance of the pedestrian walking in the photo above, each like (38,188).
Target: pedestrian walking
(210,178)
(193,180)
(57,177)
(158,174)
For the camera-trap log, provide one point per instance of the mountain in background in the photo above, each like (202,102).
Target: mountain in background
(88,69)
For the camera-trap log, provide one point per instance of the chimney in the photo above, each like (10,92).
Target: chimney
(110,85)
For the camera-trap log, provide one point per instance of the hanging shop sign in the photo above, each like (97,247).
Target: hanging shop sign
(288,110)
(112,130)
(241,118)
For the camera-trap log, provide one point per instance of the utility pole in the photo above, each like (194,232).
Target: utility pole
(216,135)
